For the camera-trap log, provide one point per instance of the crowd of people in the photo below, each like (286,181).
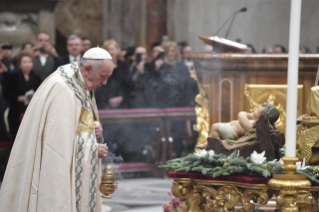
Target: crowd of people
(140,80)
(158,78)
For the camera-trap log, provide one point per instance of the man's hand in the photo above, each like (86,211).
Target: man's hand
(98,131)
(115,101)
(140,67)
(48,49)
(102,150)
(158,64)
(3,68)
(21,98)
(51,50)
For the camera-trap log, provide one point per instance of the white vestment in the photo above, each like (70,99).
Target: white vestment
(54,163)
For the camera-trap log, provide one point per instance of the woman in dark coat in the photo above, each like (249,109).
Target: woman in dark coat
(17,85)
(114,95)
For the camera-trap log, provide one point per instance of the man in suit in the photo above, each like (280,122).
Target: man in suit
(45,56)
(86,44)
(74,47)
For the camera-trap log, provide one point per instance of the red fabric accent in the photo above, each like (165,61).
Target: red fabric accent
(238,179)
(6,145)
(314,183)
(125,166)
(246,179)
(267,180)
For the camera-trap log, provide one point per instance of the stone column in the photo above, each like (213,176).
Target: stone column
(170,26)
(116,21)
(143,23)
(47,23)
(156,21)
(105,20)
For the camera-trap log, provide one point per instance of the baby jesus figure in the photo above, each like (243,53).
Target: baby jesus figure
(237,128)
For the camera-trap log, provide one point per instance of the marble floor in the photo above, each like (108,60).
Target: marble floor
(139,195)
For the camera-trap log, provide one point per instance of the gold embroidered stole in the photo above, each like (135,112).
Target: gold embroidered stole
(85,137)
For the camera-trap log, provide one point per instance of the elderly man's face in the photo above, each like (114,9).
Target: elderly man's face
(74,47)
(43,40)
(98,77)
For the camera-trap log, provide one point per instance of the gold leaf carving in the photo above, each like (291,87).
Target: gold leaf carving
(307,137)
(262,199)
(304,200)
(202,112)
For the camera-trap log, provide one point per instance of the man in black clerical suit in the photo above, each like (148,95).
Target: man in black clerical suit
(74,47)
(45,56)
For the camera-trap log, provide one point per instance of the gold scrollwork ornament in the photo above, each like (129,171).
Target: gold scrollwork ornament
(304,201)
(261,196)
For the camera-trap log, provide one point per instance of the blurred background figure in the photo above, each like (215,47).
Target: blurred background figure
(252,49)
(45,56)
(187,51)
(268,50)
(304,50)
(279,49)
(86,44)
(129,54)
(156,49)
(172,53)
(207,49)
(122,55)
(27,47)
(115,93)
(20,87)
(74,47)
(1,44)
(7,59)
(181,45)
(140,80)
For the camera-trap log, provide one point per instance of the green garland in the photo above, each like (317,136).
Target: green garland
(220,164)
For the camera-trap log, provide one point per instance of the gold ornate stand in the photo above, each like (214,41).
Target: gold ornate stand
(290,185)
(213,195)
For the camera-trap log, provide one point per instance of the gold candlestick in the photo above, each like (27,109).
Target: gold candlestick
(289,183)
(108,185)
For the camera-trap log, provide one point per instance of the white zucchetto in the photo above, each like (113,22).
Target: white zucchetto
(97,53)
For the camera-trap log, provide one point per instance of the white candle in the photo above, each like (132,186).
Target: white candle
(293,64)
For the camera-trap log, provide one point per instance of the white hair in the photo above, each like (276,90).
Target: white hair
(72,37)
(94,63)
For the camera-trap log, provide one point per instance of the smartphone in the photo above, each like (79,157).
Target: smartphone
(138,58)
(161,55)
(42,50)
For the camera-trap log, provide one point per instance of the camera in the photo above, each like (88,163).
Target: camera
(42,50)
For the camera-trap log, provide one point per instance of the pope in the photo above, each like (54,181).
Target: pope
(55,160)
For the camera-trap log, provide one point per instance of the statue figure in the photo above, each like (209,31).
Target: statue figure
(308,128)
(250,132)
(237,128)
(18,28)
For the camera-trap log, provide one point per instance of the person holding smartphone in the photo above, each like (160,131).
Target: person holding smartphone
(45,56)
(140,83)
